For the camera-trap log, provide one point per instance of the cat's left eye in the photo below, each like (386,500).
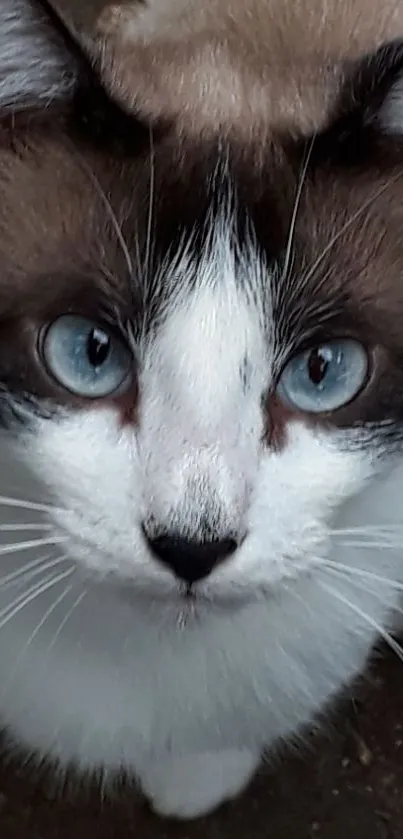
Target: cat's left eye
(324,378)
(85,358)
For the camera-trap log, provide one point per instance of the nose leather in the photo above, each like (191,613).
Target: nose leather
(189,560)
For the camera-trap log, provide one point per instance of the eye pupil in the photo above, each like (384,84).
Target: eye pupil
(98,347)
(318,365)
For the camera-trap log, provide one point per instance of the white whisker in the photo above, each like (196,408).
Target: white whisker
(66,618)
(383,633)
(12,675)
(345,227)
(111,213)
(294,216)
(360,573)
(25,504)
(151,196)
(358,579)
(31,543)
(16,528)
(13,609)
(30,570)
(370,543)
(24,575)
(367,533)
(368,528)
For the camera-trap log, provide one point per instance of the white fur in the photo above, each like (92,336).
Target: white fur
(174,788)
(136,676)
(34,64)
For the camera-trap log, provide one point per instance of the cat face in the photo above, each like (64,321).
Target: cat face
(201,351)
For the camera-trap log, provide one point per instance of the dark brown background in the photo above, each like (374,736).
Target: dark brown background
(347,783)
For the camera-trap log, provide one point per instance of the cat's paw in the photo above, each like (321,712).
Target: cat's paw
(192,786)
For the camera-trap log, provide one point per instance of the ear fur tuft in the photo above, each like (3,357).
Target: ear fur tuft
(36,64)
(391,113)
(378,88)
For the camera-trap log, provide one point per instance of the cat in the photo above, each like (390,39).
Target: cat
(201,367)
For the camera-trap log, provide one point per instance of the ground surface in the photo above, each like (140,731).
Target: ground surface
(348,784)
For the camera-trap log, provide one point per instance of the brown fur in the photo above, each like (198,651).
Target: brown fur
(59,251)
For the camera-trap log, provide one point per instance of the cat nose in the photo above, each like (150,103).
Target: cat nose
(189,560)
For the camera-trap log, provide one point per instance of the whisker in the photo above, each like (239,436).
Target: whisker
(379,593)
(345,227)
(21,577)
(294,216)
(16,528)
(20,658)
(12,610)
(370,543)
(111,213)
(142,288)
(139,264)
(31,543)
(31,569)
(49,612)
(360,573)
(370,528)
(25,504)
(151,198)
(397,649)
(66,618)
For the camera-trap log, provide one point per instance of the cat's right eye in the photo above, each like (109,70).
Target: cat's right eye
(85,358)
(324,378)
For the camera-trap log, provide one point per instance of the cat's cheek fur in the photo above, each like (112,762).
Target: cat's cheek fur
(100,481)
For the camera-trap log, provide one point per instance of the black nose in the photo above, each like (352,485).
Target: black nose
(190,561)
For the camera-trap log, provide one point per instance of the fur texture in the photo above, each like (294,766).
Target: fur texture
(216,198)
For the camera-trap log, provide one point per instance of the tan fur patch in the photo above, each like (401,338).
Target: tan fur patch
(230,66)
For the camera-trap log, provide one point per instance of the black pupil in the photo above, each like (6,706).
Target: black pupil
(318,365)
(98,347)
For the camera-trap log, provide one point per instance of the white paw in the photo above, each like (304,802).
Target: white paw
(192,786)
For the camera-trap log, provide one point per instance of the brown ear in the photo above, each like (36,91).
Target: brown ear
(390,116)
(372,96)
(40,61)
(373,93)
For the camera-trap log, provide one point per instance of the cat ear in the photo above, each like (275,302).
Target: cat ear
(369,110)
(390,117)
(376,90)
(39,58)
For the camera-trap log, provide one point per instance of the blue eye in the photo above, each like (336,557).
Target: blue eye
(324,378)
(84,358)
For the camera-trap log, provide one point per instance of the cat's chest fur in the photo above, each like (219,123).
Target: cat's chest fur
(119,688)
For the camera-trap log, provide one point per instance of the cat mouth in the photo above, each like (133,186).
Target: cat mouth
(184,602)
(188,593)
(167,592)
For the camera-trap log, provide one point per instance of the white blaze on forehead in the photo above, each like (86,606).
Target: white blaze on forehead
(210,351)
(204,373)
(205,345)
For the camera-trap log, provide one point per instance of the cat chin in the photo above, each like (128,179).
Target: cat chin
(184,604)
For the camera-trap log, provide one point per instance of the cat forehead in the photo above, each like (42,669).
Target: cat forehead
(94,229)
